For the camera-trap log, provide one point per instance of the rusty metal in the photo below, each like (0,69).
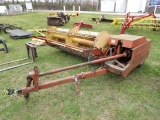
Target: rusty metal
(125,53)
(82,24)
(83,64)
(64,80)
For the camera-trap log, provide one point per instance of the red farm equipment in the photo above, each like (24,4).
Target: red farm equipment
(141,21)
(119,54)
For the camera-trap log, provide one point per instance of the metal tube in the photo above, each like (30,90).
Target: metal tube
(82,64)
(13,61)
(15,66)
(65,80)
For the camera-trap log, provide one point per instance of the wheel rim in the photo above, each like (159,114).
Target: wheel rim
(7,29)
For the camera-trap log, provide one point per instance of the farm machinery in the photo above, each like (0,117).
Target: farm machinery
(119,54)
(102,19)
(57,19)
(7,27)
(142,21)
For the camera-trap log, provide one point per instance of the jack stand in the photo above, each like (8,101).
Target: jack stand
(4,49)
(31,51)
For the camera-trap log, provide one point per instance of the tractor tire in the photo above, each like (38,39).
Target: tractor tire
(6,29)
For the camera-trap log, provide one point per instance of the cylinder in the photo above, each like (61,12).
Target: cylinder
(58,36)
(83,42)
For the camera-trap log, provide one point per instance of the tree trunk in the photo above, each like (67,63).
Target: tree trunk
(12,1)
(75,3)
(35,3)
(52,4)
(99,5)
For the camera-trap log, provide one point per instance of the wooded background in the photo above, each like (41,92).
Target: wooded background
(86,5)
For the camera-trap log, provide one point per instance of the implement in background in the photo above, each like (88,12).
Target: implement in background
(142,21)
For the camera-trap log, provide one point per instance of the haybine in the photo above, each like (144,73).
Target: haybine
(119,54)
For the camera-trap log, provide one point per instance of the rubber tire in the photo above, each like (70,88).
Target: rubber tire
(26,96)
(6,29)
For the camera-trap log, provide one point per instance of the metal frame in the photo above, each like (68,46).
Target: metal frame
(126,52)
(35,75)
(5,48)
(31,53)
(131,19)
(141,21)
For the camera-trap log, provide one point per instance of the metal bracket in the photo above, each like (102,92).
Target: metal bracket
(82,75)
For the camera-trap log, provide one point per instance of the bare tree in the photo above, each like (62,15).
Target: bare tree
(12,1)
(47,4)
(17,1)
(35,2)
(99,4)
(75,2)
(52,4)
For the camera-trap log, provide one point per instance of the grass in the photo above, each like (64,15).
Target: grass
(103,97)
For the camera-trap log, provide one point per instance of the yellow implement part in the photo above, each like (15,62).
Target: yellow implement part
(115,22)
(102,40)
(78,38)
(40,30)
(38,41)
(141,20)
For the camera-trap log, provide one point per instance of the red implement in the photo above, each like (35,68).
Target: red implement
(82,24)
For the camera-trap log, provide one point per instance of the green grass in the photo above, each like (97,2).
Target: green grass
(107,97)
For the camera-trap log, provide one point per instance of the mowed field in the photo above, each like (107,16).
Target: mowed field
(106,97)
